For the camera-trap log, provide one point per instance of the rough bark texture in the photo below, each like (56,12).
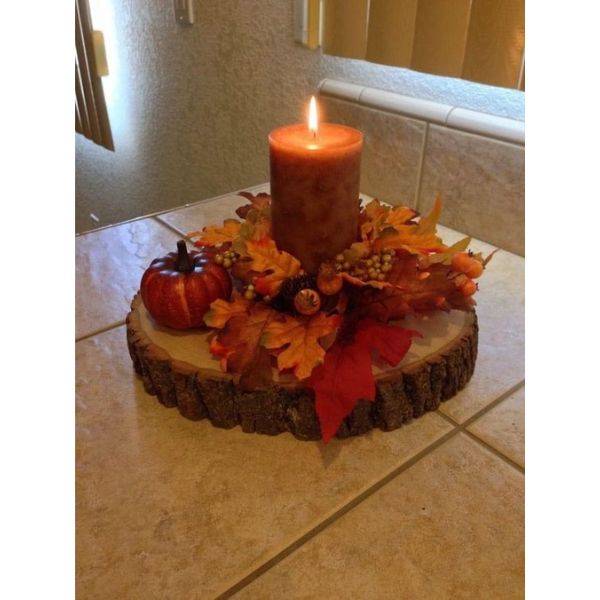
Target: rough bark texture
(403,394)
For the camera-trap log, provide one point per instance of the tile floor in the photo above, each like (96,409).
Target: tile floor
(169,508)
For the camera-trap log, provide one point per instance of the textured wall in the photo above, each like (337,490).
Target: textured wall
(191,107)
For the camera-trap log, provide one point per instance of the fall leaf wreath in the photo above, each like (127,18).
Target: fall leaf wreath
(326,329)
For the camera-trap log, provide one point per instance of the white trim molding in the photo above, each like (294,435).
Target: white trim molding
(455,117)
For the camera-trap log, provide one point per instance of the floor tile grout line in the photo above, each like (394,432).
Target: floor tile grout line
(463,426)
(365,494)
(447,418)
(494,451)
(493,404)
(420,171)
(252,188)
(322,525)
(122,322)
(142,217)
(488,446)
(173,229)
(87,336)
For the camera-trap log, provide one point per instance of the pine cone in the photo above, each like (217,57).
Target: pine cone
(293,285)
(284,301)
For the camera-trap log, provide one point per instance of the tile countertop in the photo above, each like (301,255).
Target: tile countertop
(170,508)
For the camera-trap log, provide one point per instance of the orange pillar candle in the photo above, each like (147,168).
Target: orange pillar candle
(315,181)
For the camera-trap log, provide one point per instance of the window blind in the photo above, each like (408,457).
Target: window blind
(478,40)
(91,115)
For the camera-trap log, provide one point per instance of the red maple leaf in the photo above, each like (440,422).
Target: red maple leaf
(346,375)
(344,378)
(391,342)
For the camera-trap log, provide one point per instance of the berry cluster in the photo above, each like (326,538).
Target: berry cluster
(226,258)
(375,266)
(250,293)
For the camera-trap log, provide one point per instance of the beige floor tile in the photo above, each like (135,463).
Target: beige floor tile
(482,183)
(213,211)
(391,153)
(503,427)
(170,508)
(208,212)
(501,312)
(109,266)
(449,527)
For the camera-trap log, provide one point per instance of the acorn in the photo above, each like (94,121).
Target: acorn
(329,281)
(307,301)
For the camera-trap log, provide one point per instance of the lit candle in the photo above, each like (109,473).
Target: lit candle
(315,182)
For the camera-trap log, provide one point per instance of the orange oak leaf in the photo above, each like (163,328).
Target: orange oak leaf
(399,215)
(445,256)
(275,265)
(360,283)
(261,230)
(258,229)
(418,238)
(375,216)
(239,343)
(346,375)
(213,235)
(222,310)
(372,217)
(257,224)
(301,337)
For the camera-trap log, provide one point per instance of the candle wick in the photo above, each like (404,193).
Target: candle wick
(314,134)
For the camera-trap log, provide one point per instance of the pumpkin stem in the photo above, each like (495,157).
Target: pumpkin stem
(184,264)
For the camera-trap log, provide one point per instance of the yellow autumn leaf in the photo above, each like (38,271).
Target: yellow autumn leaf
(428,223)
(221,310)
(213,235)
(276,265)
(413,243)
(420,238)
(445,256)
(357,251)
(374,210)
(303,352)
(375,283)
(372,217)
(251,230)
(399,216)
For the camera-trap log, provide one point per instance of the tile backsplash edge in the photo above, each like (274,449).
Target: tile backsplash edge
(453,117)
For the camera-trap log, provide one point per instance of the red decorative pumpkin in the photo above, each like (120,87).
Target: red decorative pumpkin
(178,288)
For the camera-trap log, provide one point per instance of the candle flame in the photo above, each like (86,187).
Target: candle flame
(313,120)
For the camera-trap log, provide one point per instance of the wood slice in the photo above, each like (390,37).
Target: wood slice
(178,368)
